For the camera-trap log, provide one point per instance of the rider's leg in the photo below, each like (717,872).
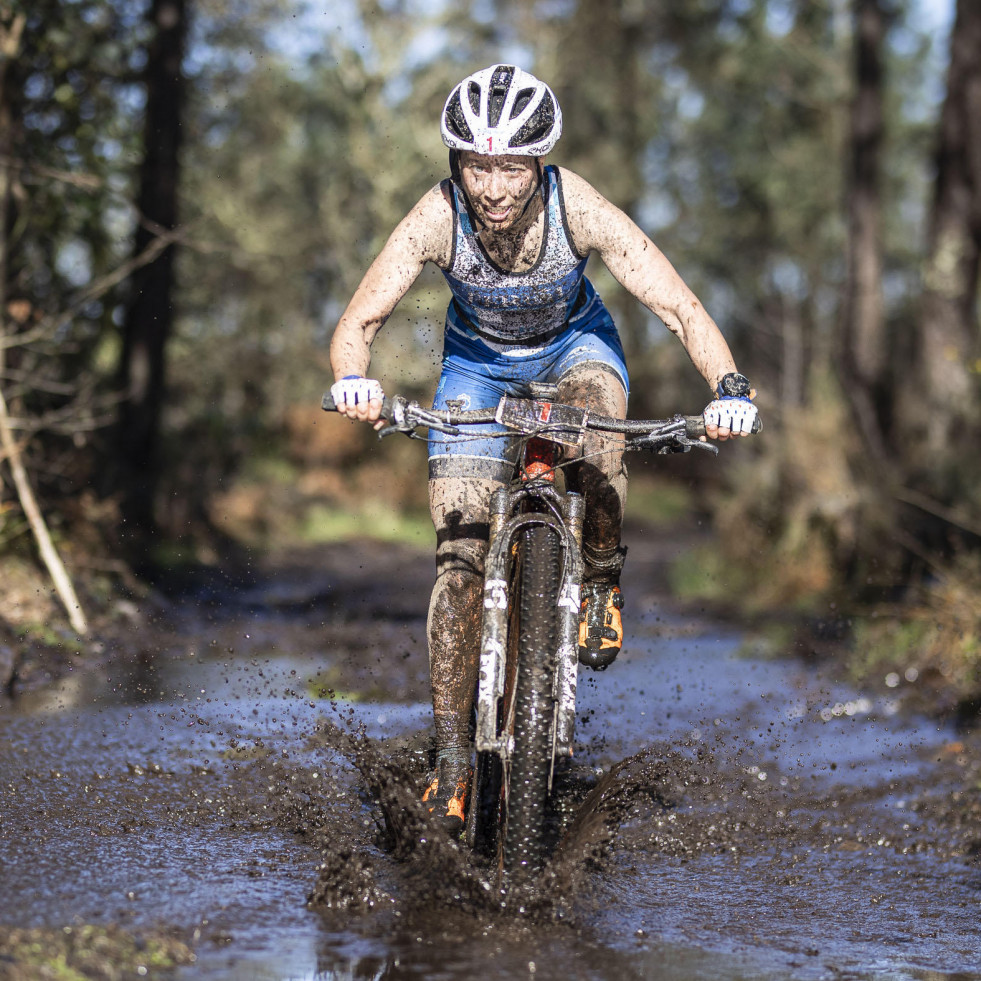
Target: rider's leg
(459,507)
(601,478)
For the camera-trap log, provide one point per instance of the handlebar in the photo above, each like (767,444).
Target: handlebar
(401,412)
(561,422)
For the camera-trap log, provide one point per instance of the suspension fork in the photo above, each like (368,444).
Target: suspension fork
(567,650)
(533,501)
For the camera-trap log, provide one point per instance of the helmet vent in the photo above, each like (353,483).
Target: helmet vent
(540,124)
(520,101)
(455,119)
(473,94)
(500,84)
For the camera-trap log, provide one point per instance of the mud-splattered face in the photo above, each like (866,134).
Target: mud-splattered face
(498,187)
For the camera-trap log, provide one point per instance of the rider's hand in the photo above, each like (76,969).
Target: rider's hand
(358,398)
(732,413)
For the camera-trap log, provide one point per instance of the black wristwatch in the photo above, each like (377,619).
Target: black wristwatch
(734,386)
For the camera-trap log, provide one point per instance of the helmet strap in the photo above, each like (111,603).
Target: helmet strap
(539,189)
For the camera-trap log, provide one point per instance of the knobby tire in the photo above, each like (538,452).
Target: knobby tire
(533,712)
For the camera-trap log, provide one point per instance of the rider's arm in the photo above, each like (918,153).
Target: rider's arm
(425,234)
(640,267)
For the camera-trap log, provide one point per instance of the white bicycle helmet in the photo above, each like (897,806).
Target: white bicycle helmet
(502,110)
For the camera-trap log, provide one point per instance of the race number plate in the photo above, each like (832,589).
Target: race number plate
(559,423)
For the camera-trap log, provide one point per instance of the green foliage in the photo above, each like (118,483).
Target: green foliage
(70,96)
(82,951)
(376,521)
(659,502)
(934,637)
(74,95)
(795,515)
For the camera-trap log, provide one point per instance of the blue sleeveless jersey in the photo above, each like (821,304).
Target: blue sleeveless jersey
(517,308)
(506,329)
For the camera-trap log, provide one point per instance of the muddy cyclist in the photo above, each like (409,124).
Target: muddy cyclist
(512,236)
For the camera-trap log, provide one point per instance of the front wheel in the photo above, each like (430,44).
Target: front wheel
(531,757)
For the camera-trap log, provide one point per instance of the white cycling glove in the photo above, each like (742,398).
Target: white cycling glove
(355,390)
(735,414)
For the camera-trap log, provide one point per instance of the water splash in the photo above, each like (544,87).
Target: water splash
(434,869)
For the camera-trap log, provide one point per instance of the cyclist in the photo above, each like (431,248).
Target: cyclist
(511,237)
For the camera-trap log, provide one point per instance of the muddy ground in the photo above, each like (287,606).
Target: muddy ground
(238,784)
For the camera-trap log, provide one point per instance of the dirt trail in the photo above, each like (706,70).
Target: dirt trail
(250,792)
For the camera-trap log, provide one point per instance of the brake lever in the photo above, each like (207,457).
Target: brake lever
(408,416)
(684,444)
(672,440)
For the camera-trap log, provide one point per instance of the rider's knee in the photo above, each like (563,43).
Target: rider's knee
(594,385)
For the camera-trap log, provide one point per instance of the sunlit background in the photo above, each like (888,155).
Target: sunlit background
(193,189)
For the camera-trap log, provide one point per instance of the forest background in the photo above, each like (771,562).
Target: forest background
(190,191)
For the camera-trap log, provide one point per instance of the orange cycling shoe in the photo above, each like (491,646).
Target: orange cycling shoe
(600,625)
(449,805)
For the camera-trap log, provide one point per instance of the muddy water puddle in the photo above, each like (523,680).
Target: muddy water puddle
(768,823)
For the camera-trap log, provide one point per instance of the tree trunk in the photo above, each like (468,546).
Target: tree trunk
(863,317)
(949,347)
(149,316)
(863,349)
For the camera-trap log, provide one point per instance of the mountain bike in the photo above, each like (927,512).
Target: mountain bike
(525,702)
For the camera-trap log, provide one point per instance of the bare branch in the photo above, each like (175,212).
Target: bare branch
(10,36)
(32,512)
(94,290)
(18,446)
(66,421)
(29,381)
(952,516)
(27,169)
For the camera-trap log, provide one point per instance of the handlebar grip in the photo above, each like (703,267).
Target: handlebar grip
(694,426)
(327,404)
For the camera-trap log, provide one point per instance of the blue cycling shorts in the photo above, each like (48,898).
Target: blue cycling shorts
(477,372)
